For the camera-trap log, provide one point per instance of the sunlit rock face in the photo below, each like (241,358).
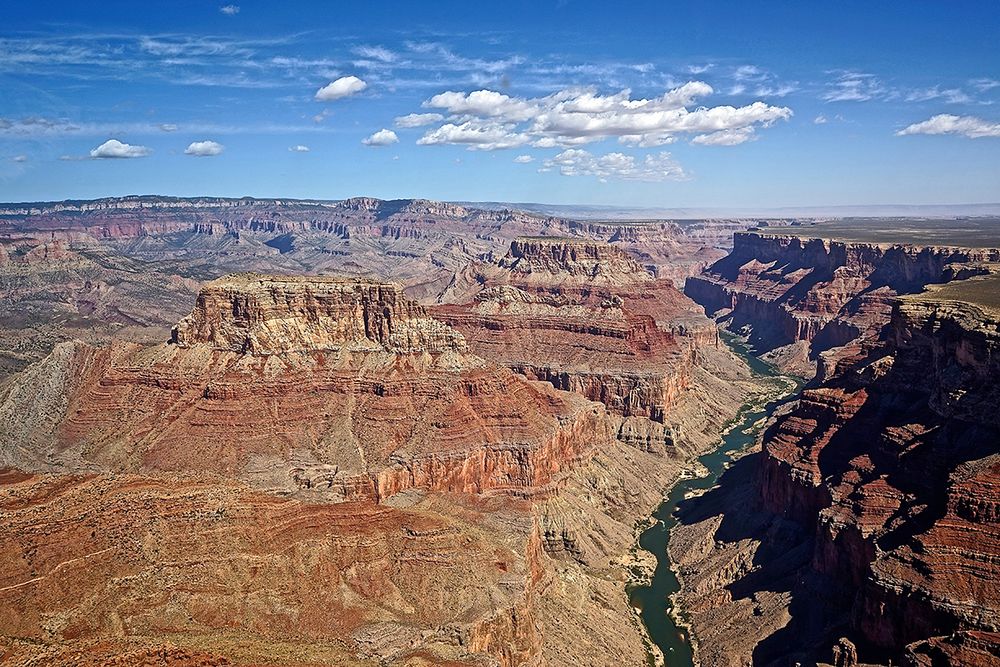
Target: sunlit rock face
(275,314)
(585,317)
(341,386)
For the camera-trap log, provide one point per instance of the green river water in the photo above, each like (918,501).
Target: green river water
(653,600)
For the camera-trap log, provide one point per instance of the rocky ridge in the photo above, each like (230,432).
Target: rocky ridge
(338,363)
(863,531)
(587,318)
(811,303)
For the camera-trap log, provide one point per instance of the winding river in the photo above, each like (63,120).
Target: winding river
(653,600)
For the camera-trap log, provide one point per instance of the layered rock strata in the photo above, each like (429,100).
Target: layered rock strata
(586,318)
(865,530)
(896,467)
(342,387)
(800,298)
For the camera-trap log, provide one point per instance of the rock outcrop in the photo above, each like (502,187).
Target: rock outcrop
(834,296)
(586,318)
(259,314)
(896,466)
(345,388)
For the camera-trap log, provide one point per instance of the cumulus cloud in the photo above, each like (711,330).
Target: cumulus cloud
(476,135)
(230,10)
(653,168)
(204,148)
(418,120)
(820,120)
(488,120)
(112,148)
(484,103)
(647,140)
(524,159)
(299,148)
(345,86)
(966,126)
(383,137)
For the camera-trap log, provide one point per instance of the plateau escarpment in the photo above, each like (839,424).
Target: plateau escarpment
(895,467)
(335,434)
(585,317)
(812,302)
(127,267)
(865,530)
(345,386)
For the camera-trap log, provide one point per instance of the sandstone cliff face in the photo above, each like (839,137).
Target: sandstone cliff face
(344,389)
(586,318)
(272,315)
(896,468)
(831,294)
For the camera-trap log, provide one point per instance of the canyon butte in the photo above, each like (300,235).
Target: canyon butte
(364,432)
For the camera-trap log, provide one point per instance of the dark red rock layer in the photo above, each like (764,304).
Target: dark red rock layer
(587,318)
(895,466)
(831,294)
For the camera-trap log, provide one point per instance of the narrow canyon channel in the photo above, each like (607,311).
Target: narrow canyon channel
(654,599)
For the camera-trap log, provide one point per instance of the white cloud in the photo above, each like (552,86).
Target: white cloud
(647,140)
(731,137)
(418,120)
(299,148)
(489,120)
(168,127)
(20,158)
(230,10)
(966,126)
(483,103)
(345,86)
(654,168)
(820,120)
(949,95)
(983,85)
(853,87)
(204,149)
(112,148)
(476,134)
(524,159)
(378,53)
(383,137)
(699,69)
(749,73)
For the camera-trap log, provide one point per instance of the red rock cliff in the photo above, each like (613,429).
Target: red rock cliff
(896,467)
(830,294)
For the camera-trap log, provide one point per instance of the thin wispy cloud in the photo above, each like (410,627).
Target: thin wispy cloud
(849,86)
(616,166)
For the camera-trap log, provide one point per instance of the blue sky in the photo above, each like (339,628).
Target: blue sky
(662,104)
